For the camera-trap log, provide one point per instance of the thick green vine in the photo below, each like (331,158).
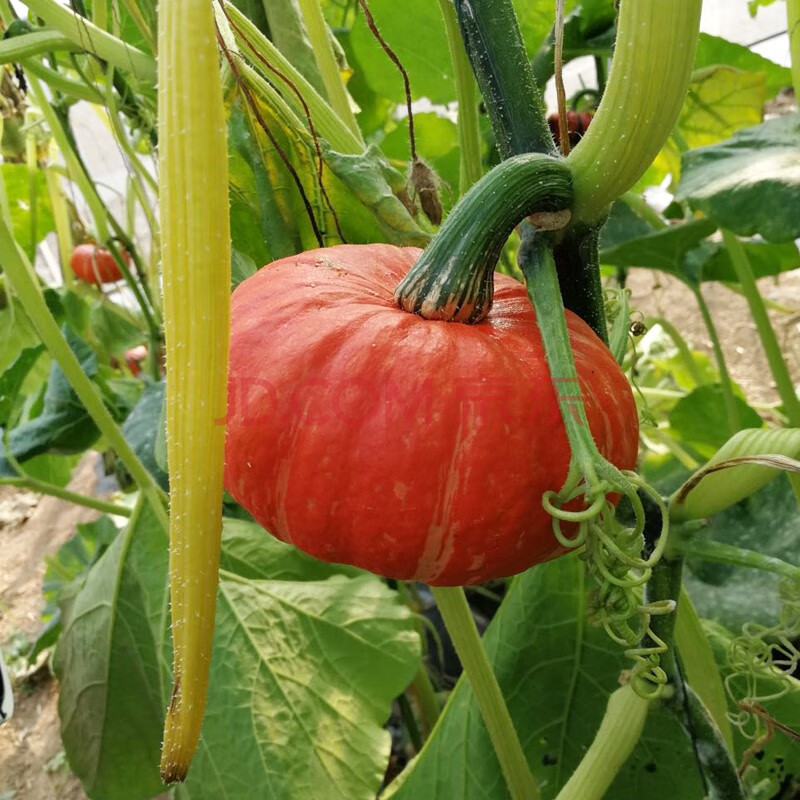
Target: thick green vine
(653,61)
(453,278)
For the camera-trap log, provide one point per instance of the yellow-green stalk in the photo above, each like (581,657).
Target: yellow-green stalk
(619,733)
(320,38)
(793,20)
(193,189)
(649,78)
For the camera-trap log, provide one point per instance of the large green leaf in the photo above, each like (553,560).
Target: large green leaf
(767,521)
(685,251)
(307,659)
(309,669)
(415,31)
(108,662)
(720,101)
(350,197)
(700,418)
(661,249)
(115,329)
(556,672)
(751,182)
(714,51)
(65,573)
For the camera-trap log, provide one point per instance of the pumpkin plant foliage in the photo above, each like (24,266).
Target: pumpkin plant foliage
(328,681)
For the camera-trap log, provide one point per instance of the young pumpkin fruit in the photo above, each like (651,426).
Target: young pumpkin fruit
(93,264)
(414,448)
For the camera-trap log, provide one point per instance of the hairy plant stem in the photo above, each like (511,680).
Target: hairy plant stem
(713,756)
(728,395)
(769,341)
(578,266)
(615,740)
(537,264)
(427,703)
(42,487)
(700,666)
(793,20)
(320,39)
(453,278)
(469,135)
(697,546)
(711,752)
(17,48)
(711,749)
(196,256)
(496,51)
(453,607)
(87,36)
(650,73)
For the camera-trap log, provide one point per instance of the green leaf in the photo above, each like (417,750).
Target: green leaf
(65,573)
(662,249)
(141,430)
(108,662)
(716,486)
(415,31)
(683,250)
(323,661)
(750,183)
(378,215)
(768,522)
(64,425)
(700,418)
(242,267)
(250,552)
(306,663)
(765,259)
(16,331)
(556,672)
(19,183)
(721,100)
(715,51)
(12,379)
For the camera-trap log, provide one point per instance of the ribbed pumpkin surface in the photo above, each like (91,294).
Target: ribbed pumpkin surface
(366,435)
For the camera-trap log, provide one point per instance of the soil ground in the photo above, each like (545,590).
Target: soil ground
(32,764)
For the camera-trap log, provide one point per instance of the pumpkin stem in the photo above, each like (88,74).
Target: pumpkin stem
(453,278)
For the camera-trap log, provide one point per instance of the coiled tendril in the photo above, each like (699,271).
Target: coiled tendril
(762,660)
(613,557)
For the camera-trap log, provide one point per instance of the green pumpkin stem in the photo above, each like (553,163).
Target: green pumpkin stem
(453,278)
